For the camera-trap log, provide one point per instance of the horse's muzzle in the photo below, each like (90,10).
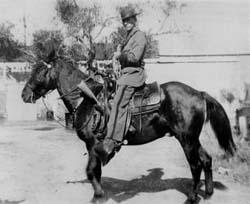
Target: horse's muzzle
(28,95)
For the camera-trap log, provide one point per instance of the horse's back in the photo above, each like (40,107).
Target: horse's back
(175,86)
(179,92)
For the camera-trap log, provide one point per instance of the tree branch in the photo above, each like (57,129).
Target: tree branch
(103,26)
(177,31)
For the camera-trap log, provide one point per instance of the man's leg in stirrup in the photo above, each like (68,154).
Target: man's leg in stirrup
(117,123)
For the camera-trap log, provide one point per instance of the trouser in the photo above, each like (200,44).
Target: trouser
(118,115)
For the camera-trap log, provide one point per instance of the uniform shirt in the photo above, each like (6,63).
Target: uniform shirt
(131,59)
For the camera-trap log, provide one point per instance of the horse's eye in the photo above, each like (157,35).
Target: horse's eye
(41,77)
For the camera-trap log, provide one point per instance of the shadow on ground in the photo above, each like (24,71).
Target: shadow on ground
(122,190)
(44,128)
(10,202)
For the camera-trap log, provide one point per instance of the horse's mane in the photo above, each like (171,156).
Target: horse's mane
(68,60)
(54,58)
(72,65)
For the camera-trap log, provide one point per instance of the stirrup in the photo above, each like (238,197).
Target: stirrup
(118,145)
(116,142)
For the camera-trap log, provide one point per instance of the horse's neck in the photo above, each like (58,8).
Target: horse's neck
(67,80)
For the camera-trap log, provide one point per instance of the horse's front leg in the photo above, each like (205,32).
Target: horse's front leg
(94,172)
(94,167)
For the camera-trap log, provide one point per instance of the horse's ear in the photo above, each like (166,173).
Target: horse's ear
(51,56)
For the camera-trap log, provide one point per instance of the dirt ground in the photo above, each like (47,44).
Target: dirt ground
(43,163)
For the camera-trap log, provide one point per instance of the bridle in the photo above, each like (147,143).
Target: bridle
(96,72)
(33,93)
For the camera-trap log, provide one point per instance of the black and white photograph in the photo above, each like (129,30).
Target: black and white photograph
(124,101)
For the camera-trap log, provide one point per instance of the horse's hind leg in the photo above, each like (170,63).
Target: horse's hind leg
(207,166)
(94,172)
(191,150)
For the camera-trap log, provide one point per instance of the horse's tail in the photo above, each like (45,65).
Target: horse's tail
(220,124)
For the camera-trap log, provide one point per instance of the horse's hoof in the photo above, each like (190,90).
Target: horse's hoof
(209,193)
(99,194)
(99,200)
(192,198)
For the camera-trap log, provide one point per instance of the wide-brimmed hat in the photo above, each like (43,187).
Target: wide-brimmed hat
(127,12)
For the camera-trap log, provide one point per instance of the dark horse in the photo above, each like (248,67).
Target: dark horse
(182,112)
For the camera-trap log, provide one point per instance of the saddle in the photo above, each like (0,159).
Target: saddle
(146,100)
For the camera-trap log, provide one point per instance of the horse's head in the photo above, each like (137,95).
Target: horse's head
(42,80)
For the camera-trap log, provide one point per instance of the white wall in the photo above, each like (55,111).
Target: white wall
(206,74)
(16,108)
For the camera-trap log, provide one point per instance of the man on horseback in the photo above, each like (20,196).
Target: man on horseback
(132,76)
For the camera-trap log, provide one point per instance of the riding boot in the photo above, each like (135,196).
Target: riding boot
(116,124)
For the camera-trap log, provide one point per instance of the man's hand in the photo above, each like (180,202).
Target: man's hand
(115,61)
(117,53)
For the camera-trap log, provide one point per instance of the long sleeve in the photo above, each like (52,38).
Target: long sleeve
(133,53)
